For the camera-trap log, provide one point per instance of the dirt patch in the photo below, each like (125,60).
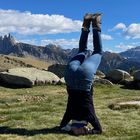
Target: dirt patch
(27,98)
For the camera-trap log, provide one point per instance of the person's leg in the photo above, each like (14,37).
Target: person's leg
(90,65)
(83,40)
(77,60)
(96,21)
(81,55)
(97,43)
(85,31)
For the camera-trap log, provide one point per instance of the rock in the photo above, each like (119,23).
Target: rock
(100,74)
(137,84)
(103,81)
(61,81)
(125,105)
(96,77)
(57,69)
(117,75)
(131,84)
(13,80)
(27,77)
(130,103)
(137,76)
(126,81)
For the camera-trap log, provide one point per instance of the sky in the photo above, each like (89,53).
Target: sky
(42,22)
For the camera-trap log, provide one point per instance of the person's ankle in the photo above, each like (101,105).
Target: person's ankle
(85,29)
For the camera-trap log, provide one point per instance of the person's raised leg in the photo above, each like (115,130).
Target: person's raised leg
(94,60)
(91,64)
(84,33)
(77,60)
(96,27)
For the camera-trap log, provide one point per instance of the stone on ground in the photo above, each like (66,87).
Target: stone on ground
(27,77)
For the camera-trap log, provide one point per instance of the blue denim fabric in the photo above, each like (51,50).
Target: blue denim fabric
(80,71)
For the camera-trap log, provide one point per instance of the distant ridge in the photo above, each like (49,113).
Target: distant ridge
(132,54)
(56,55)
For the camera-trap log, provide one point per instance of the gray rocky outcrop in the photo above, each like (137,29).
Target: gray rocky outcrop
(117,75)
(27,77)
(137,76)
(100,74)
(133,83)
(61,81)
(102,81)
(125,105)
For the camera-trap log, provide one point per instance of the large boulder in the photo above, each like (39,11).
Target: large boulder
(61,81)
(27,77)
(102,81)
(125,105)
(57,69)
(100,74)
(117,75)
(137,76)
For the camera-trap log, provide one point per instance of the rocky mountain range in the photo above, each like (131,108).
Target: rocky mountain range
(55,54)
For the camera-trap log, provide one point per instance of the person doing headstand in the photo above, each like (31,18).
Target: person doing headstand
(79,75)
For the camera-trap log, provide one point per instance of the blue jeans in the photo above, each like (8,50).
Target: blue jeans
(81,69)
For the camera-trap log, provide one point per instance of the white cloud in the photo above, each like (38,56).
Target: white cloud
(106,37)
(28,41)
(103,37)
(130,32)
(65,43)
(133,31)
(27,23)
(124,47)
(119,26)
(136,43)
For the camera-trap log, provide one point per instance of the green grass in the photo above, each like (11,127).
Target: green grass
(35,113)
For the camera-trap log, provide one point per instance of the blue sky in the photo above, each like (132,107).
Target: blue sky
(41,22)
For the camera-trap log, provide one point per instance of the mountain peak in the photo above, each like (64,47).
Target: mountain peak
(8,38)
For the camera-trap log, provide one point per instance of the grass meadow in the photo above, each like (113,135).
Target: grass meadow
(35,113)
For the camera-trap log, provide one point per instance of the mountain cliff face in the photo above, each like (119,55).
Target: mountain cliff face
(55,54)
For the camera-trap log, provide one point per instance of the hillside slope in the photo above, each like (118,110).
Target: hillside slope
(7,61)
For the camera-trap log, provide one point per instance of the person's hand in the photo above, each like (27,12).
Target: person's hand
(79,131)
